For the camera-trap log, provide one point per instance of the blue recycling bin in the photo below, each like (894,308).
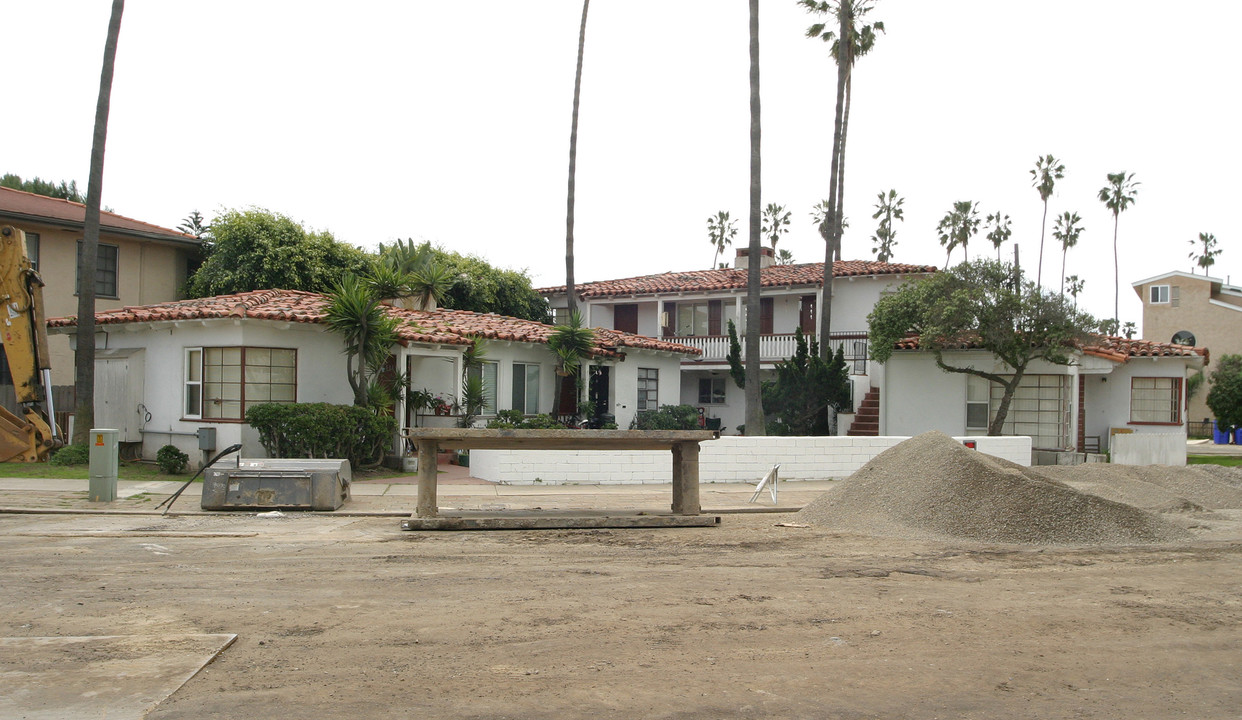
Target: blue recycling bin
(1219,436)
(1237,436)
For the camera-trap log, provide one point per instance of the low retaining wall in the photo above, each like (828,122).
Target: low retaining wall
(1148,449)
(729,459)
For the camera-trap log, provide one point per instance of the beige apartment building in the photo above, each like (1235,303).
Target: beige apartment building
(1191,309)
(138,263)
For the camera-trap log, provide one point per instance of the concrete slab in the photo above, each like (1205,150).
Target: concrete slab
(558,522)
(120,677)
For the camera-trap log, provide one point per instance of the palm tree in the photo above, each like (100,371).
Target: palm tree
(1044,177)
(887,210)
(957,227)
(573,164)
(1206,258)
(720,232)
(1000,231)
(1066,230)
(405,270)
(755,422)
(775,222)
(355,312)
(84,360)
(1074,286)
(784,257)
(1118,195)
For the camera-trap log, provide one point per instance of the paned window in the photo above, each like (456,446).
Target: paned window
(32,249)
(977,398)
(526,388)
(711,391)
(1040,408)
(648,389)
(221,383)
(105,269)
(1159,294)
(691,319)
(1155,400)
(486,371)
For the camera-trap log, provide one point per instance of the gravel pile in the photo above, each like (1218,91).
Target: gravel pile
(1155,487)
(933,486)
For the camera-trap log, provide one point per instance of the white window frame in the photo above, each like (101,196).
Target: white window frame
(978,393)
(1156,395)
(525,398)
(190,362)
(1158,295)
(489,371)
(714,397)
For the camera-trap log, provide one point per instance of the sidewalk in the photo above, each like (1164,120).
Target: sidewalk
(398,497)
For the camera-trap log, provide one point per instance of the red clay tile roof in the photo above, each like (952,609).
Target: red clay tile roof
(19,205)
(1117,349)
(446,327)
(809,274)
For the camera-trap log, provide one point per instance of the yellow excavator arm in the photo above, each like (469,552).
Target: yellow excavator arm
(23,330)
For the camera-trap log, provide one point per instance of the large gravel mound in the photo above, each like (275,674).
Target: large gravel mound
(1154,487)
(932,485)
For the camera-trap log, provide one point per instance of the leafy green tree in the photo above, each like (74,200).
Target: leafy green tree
(737,370)
(775,222)
(720,232)
(84,357)
(1044,179)
(753,390)
(38,186)
(784,257)
(1206,257)
(479,287)
(1225,396)
(1066,231)
(573,165)
(999,231)
(887,210)
(859,40)
(798,400)
(259,250)
(983,305)
(1118,195)
(356,314)
(571,344)
(1128,329)
(405,271)
(957,227)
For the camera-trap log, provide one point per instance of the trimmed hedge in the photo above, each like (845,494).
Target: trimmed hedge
(320,430)
(668,417)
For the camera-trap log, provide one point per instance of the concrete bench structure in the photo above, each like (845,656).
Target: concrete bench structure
(684,445)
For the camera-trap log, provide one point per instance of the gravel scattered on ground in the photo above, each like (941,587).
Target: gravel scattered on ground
(1161,488)
(933,486)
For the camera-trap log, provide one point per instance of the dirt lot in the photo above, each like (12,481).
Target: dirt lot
(350,617)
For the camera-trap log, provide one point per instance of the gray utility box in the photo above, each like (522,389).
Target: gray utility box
(285,483)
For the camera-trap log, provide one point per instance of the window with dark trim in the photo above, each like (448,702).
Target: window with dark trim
(106,261)
(711,391)
(648,389)
(221,383)
(1156,400)
(32,249)
(526,388)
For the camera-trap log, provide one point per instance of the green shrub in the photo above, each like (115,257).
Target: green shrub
(515,420)
(668,417)
(320,430)
(171,460)
(71,455)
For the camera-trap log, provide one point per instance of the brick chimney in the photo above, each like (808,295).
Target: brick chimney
(767,258)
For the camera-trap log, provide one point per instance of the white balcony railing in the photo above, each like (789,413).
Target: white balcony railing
(781,346)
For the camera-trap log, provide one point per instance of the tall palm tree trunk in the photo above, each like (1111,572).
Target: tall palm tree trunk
(1064,254)
(1116,276)
(573,166)
(1039,271)
(838,230)
(825,315)
(84,359)
(755,421)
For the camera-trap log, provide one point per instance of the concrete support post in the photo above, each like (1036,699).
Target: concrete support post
(427,507)
(686,479)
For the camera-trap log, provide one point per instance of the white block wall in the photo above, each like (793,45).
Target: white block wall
(729,459)
(1149,449)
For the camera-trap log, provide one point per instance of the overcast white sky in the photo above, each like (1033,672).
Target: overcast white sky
(449,121)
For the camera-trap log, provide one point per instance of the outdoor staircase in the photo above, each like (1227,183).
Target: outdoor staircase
(867,419)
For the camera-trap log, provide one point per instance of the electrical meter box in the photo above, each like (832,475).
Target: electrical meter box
(278,483)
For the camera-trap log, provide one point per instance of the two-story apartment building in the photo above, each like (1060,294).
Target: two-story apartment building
(695,308)
(1190,309)
(138,263)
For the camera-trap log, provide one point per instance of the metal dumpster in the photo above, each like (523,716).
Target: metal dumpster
(278,483)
